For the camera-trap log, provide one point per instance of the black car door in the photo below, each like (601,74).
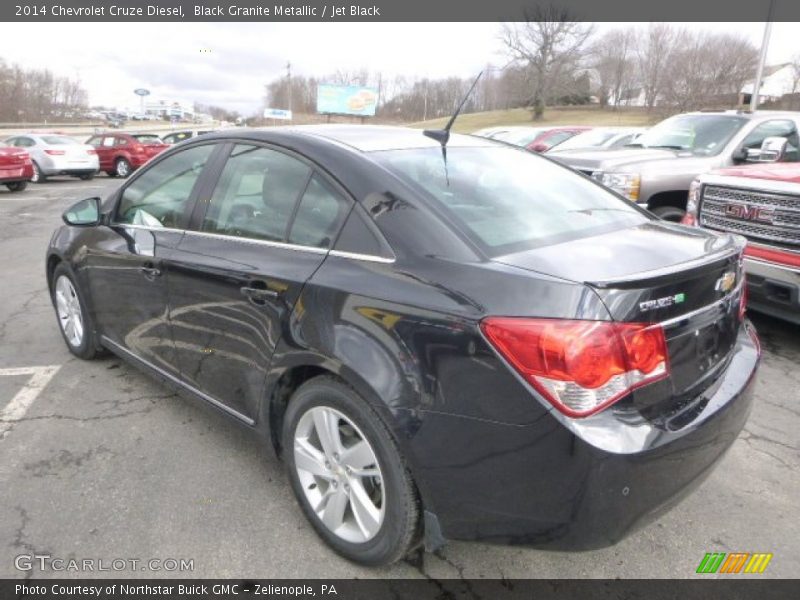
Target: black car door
(239,270)
(127,266)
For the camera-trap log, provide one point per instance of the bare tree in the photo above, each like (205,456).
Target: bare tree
(653,50)
(613,64)
(549,43)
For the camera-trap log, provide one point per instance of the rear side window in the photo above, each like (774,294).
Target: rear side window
(256,194)
(158,197)
(319,216)
(777,128)
(120,141)
(508,200)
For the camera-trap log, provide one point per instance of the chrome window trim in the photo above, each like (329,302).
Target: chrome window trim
(180,382)
(146,227)
(366,257)
(247,240)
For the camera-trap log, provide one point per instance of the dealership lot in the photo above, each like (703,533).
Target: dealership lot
(98,461)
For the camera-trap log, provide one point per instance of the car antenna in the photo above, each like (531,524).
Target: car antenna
(443,135)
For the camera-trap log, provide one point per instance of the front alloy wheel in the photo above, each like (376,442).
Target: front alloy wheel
(123,168)
(70,316)
(340,474)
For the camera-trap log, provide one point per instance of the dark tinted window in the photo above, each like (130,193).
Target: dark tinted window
(358,237)
(508,200)
(158,196)
(256,194)
(319,216)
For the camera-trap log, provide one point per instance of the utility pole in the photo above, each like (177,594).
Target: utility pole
(762,59)
(289,83)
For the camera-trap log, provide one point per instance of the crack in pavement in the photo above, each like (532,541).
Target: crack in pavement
(63,460)
(20,542)
(32,296)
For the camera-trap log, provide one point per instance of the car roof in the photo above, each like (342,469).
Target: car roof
(363,138)
(746,114)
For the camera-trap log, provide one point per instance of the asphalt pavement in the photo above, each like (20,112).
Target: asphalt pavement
(100,462)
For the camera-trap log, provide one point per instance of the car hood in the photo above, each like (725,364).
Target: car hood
(789,172)
(637,160)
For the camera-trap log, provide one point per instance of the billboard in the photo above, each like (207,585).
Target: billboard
(347,100)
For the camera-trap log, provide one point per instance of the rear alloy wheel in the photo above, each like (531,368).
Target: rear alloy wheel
(348,475)
(73,318)
(669,213)
(38,176)
(17,186)
(122,167)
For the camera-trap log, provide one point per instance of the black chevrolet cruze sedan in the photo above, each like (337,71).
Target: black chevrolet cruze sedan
(442,339)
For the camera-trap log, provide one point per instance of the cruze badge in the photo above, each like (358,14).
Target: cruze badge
(726,282)
(662,302)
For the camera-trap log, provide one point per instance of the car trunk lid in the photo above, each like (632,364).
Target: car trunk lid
(690,281)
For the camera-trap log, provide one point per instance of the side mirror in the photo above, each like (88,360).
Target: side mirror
(539,147)
(773,149)
(85,213)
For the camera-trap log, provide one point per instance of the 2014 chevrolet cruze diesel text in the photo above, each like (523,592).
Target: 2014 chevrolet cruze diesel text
(441,340)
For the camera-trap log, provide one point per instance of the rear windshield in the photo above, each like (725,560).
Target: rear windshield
(147,139)
(55,140)
(507,200)
(518,137)
(587,139)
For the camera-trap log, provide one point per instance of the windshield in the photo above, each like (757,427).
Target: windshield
(588,139)
(148,139)
(519,137)
(704,135)
(507,200)
(56,140)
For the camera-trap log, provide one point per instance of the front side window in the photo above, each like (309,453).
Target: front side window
(507,200)
(108,142)
(158,197)
(256,194)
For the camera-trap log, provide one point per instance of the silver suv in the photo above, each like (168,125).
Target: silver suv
(657,169)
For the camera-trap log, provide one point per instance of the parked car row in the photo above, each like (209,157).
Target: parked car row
(34,157)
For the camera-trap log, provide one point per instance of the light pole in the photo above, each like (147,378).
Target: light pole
(762,59)
(289,83)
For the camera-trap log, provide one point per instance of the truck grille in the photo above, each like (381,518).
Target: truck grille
(773,217)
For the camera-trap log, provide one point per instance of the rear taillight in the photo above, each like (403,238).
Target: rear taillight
(692,204)
(55,152)
(580,367)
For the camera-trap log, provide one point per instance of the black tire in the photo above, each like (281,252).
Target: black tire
(38,176)
(669,213)
(399,532)
(122,168)
(89,347)
(17,186)
(87,176)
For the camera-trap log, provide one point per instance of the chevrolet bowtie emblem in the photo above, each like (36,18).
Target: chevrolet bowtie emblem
(726,282)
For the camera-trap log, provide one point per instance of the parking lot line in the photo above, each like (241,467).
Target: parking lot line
(22,400)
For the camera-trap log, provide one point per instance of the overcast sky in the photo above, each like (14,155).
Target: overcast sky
(112,59)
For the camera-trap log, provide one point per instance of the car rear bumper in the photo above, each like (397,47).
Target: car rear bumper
(773,289)
(544,485)
(64,166)
(15,174)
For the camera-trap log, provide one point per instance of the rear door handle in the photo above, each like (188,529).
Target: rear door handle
(258,295)
(150,270)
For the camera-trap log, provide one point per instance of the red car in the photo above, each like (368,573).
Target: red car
(16,168)
(538,139)
(121,154)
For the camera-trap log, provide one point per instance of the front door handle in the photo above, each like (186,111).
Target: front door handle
(258,295)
